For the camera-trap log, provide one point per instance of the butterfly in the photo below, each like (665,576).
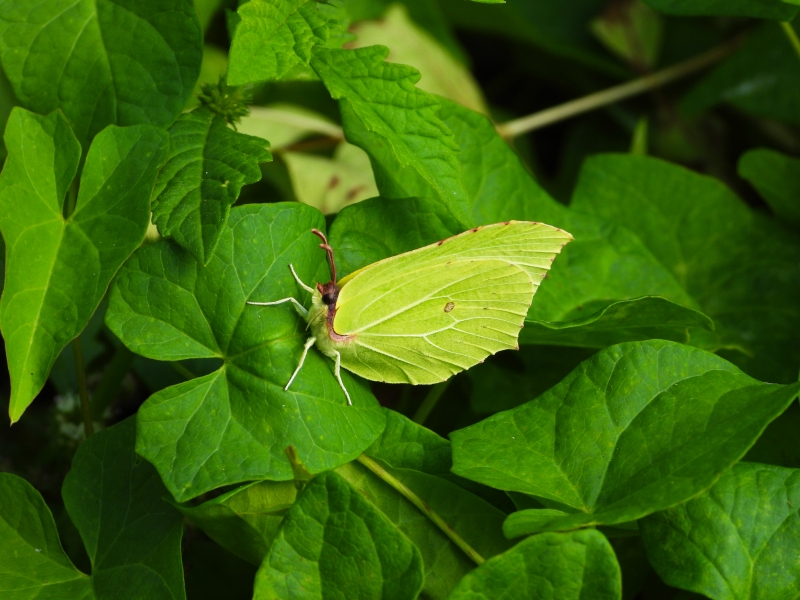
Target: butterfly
(425,315)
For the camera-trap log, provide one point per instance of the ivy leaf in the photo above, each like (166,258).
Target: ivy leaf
(335,543)
(207,166)
(234,424)
(776,176)
(273,40)
(575,565)
(115,500)
(735,541)
(86,58)
(762,78)
(58,268)
(742,269)
(762,9)
(32,562)
(637,428)
(382,99)
(244,520)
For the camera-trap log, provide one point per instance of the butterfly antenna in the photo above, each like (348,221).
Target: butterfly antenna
(325,246)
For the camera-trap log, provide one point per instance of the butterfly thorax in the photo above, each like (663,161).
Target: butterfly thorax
(320,319)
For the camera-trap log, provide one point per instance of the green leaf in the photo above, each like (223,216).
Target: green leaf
(132,535)
(737,541)
(274,39)
(635,429)
(32,562)
(763,9)
(626,320)
(475,520)
(740,267)
(234,424)
(776,176)
(333,543)
(88,59)
(244,520)
(633,31)
(408,445)
(381,99)
(58,268)
(762,78)
(207,166)
(568,566)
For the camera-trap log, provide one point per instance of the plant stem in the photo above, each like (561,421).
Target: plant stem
(430,402)
(83,390)
(426,510)
(792,35)
(187,374)
(615,94)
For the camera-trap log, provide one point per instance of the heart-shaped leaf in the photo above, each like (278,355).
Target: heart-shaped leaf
(234,424)
(635,429)
(58,267)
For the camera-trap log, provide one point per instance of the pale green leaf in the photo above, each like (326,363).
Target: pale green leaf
(284,124)
(441,73)
(234,424)
(776,176)
(637,428)
(333,543)
(88,58)
(58,269)
(567,566)
(330,184)
(738,541)
(207,166)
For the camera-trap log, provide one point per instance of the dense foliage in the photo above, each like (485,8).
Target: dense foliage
(165,161)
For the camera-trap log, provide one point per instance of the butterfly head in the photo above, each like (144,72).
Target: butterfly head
(330,290)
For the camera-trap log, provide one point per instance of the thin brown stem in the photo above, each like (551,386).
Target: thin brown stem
(83,389)
(615,94)
(426,510)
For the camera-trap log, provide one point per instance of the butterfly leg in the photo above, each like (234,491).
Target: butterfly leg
(309,342)
(297,306)
(299,281)
(337,371)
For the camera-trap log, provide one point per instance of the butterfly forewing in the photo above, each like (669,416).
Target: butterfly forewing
(422,316)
